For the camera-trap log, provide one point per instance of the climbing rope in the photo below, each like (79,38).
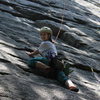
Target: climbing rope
(94,74)
(62,19)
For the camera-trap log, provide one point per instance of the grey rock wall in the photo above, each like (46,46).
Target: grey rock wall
(78,24)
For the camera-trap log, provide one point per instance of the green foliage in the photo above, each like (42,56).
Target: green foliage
(67,69)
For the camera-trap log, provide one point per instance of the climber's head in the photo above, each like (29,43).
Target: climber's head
(46,33)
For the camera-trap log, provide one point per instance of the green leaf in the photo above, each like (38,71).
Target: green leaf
(67,69)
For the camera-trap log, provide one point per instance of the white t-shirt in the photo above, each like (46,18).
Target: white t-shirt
(47,49)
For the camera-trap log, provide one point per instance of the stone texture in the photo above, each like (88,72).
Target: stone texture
(78,43)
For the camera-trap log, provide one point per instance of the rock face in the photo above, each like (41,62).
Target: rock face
(78,25)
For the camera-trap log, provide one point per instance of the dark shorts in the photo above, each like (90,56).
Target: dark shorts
(32,62)
(60,76)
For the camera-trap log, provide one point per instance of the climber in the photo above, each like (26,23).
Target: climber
(49,56)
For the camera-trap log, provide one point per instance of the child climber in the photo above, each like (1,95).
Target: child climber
(48,51)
